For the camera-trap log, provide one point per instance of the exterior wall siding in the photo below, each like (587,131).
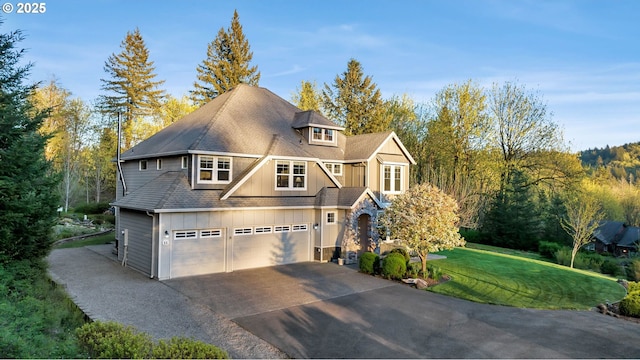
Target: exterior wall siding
(140,250)
(263,182)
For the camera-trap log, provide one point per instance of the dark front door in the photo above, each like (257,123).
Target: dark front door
(364,223)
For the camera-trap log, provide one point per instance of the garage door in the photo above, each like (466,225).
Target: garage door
(270,245)
(197,252)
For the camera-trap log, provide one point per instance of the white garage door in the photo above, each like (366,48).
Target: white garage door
(197,252)
(270,245)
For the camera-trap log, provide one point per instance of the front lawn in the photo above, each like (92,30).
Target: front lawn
(492,278)
(95,240)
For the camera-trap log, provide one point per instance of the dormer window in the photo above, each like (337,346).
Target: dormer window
(323,135)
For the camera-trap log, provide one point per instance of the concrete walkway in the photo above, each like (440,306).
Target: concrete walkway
(314,310)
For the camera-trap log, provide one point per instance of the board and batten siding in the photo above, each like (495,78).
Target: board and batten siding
(140,250)
(263,182)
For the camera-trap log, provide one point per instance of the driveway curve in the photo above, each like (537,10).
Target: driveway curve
(314,310)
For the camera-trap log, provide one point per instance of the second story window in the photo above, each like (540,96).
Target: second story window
(335,169)
(214,170)
(392,179)
(291,175)
(323,135)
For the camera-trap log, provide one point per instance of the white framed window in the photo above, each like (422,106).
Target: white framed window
(158,164)
(185,162)
(392,178)
(210,233)
(322,134)
(300,227)
(142,165)
(214,170)
(334,168)
(291,175)
(184,234)
(243,231)
(281,228)
(263,230)
(331,217)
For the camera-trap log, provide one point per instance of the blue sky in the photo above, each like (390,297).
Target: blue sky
(582,56)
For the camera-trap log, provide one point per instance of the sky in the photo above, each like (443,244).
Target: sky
(582,56)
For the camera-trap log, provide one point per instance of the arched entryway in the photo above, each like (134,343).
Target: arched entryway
(364,236)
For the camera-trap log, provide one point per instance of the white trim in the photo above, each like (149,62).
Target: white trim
(212,233)
(281,228)
(184,234)
(392,178)
(243,231)
(222,153)
(333,127)
(299,227)
(215,170)
(263,230)
(184,162)
(331,166)
(146,165)
(393,136)
(159,164)
(291,175)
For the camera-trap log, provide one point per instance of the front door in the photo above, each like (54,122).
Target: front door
(364,225)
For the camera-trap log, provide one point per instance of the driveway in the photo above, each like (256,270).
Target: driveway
(315,310)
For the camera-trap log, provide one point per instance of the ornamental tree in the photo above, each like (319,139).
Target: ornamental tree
(424,219)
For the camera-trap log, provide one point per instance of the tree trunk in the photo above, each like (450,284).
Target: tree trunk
(423,258)
(573,255)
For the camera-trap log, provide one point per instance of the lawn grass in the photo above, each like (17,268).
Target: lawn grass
(96,240)
(502,279)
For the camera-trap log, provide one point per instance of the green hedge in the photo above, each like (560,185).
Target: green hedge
(548,249)
(630,305)
(369,263)
(92,208)
(403,252)
(394,266)
(111,340)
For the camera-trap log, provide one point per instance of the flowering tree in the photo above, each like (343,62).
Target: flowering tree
(424,219)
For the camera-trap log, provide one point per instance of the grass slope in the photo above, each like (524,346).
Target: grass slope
(501,279)
(97,240)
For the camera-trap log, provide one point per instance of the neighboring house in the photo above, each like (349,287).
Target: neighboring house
(616,238)
(249,180)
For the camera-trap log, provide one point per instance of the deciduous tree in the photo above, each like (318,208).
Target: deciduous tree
(227,64)
(424,219)
(583,217)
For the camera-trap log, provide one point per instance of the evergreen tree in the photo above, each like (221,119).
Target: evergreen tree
(355,102)
(27,204)
(307,96)
(226,65)
(131,87)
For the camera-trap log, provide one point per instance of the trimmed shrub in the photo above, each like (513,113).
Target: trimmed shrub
(633,270)
(633,286)
(111,340)
(548,249)
(184,348)
(394,266)
(611,267)
(630,305)
(369,263)
(403,252)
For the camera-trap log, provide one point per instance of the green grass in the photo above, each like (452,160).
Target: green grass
(97,240)
(507,251)
(502,279)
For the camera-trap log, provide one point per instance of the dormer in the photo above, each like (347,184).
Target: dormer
(317,129)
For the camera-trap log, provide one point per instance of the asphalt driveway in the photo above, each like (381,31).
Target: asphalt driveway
(314,310)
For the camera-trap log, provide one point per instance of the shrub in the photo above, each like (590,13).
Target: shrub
(470,235)
(369,263)
(563,256)
(92,208)
(394,266)
(630,305)
(413,269)
(403,252)
(611,267)
(633,270)
(184,348)
(633,286)
(111,340)
(548,249)
(435,272)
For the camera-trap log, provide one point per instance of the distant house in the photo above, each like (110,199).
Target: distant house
(249,180)
(616,238)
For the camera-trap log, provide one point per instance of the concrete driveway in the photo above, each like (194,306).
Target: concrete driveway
(314,310)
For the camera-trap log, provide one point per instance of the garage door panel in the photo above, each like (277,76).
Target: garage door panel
(197,257)
(252,251)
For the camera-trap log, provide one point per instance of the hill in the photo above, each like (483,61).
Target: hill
(620,161)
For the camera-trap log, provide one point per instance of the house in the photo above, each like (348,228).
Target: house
(616,237)
(249,180)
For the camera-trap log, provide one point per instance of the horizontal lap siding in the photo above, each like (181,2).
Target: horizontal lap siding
(140,227)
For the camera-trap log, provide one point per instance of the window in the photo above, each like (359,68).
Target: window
(142,165)
(263,230)
(320,134)
(335,169)
(282,228)
(392,178)
(185,162)
(210,233)
(331,217)
(291,175)
(300,227)
(214,169)
(159,164)
(243,231)
(189,234)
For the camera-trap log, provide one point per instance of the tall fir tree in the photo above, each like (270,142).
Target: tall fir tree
(131,87)
(227,64)
(307,97)
(27,204)
(354,102)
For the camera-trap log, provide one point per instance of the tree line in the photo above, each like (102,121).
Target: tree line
(496,150)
